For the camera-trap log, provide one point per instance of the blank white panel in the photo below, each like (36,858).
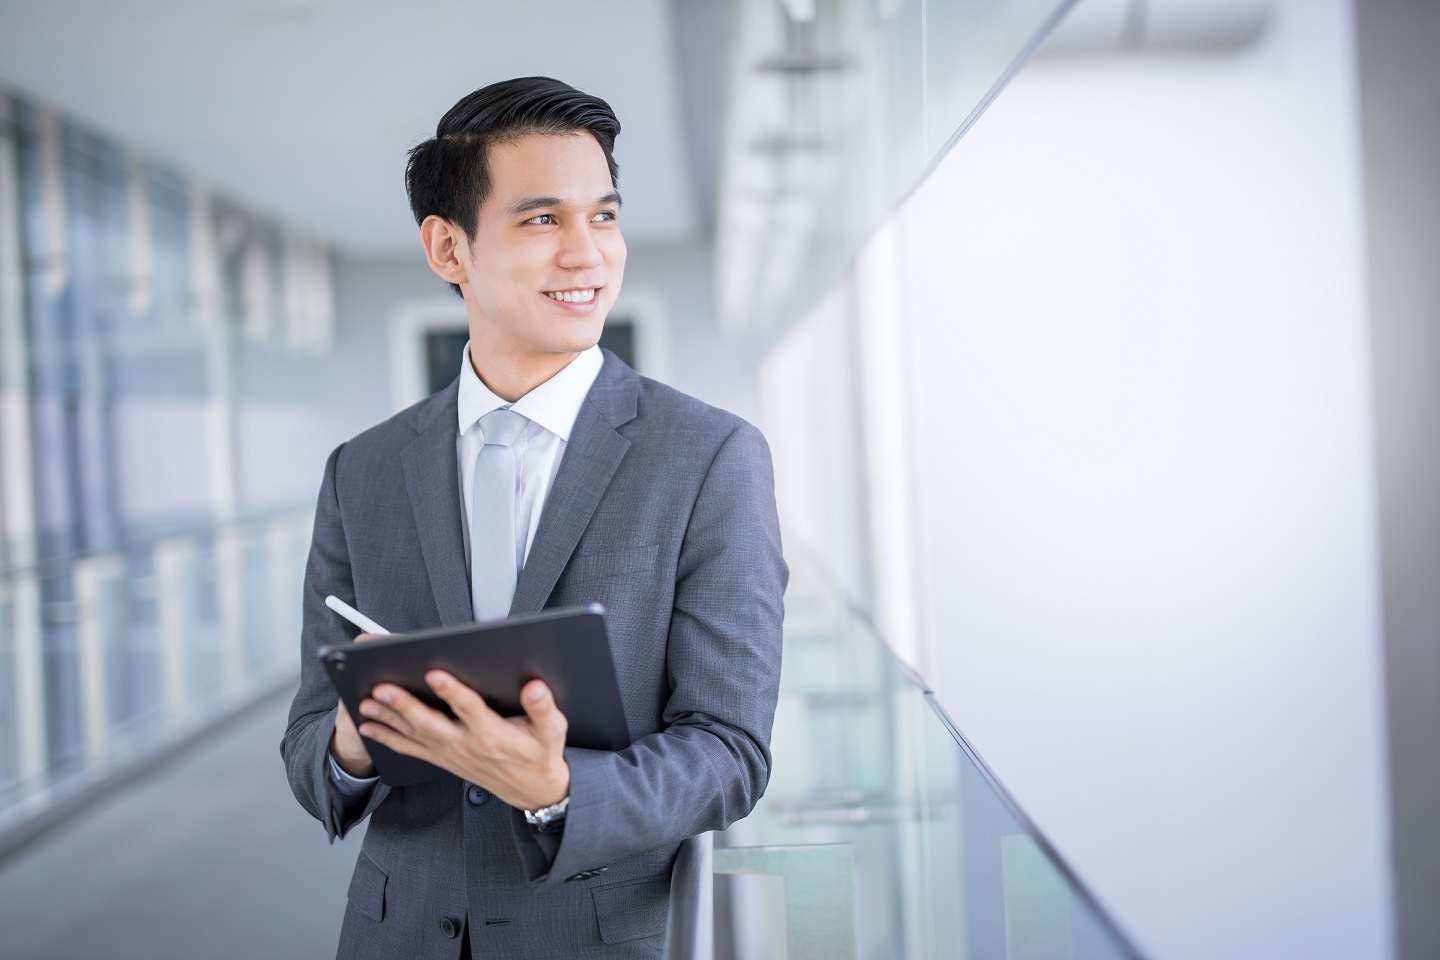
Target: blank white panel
(161,450)
(1148,545)
(282,453)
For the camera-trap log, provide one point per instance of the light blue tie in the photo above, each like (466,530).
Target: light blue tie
(493,550)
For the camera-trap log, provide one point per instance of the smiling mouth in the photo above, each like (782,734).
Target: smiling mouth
(582,295)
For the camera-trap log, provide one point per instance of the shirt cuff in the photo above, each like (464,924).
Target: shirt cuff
(348,785)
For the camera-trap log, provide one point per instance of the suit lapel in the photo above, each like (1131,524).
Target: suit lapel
(433,486)
(592,455)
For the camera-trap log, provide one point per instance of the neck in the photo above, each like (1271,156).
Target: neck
(511,377)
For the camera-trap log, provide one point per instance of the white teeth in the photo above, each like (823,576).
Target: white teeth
(573,296)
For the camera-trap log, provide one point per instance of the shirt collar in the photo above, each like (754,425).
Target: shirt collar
(554,404)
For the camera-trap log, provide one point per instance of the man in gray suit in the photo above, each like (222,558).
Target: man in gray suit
(625,492)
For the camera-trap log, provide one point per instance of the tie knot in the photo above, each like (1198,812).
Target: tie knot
(501,427)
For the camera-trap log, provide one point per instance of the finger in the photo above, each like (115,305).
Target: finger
(368,636)
(396,741)
(371,709)
(468,705)
(416,720)
(538,703)
(389,703)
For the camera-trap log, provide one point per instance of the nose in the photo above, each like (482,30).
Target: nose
(578,250)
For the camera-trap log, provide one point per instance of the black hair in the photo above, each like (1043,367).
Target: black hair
(448,175)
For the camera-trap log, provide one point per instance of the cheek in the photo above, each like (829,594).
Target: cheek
(615,254)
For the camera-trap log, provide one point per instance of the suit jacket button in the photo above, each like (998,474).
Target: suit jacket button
(449,927)
(477,795)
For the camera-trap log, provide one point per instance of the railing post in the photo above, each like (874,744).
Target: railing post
(819,894)
(230,592)
(174,577)
(280,536)
(28,684)
(690,933)
(93,620)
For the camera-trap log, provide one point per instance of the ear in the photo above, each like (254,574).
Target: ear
(446,249)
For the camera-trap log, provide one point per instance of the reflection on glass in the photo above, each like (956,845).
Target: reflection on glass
(833,119)
(154,341)
(944,865)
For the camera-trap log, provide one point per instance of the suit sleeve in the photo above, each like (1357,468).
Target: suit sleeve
(710,764)
(306,745)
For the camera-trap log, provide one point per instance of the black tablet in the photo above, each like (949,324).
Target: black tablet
(567,648)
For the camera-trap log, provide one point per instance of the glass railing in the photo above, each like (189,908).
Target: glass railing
(871,777)
(107,658)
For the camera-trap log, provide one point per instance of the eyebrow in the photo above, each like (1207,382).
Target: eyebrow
(535,203)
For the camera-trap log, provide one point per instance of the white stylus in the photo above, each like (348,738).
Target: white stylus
(353,615)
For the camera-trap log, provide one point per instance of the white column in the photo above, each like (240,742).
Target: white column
(208,315)
(255,286)
(17,478)
(55,258)
(142,237)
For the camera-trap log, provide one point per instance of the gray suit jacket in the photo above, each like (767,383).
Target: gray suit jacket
(663,510)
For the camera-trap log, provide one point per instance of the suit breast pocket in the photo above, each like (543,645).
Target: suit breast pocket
(611,564)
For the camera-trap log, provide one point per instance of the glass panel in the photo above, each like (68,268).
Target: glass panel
(832,119)
(130,613)
(136,650)
(944,866)
(970,48)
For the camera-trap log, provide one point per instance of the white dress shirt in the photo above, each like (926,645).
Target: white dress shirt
(551,409)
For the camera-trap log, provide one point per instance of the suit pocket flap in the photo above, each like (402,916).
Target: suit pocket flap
(628,911)
(367,888)
(611,563)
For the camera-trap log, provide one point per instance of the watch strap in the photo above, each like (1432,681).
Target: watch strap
(550,816)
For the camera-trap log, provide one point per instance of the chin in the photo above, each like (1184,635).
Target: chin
(583,339)
(576,345)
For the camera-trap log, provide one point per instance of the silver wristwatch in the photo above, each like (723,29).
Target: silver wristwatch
(548,819)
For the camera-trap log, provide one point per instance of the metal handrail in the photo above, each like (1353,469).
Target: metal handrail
(57,564)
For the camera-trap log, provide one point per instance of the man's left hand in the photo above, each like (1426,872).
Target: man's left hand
(521,760)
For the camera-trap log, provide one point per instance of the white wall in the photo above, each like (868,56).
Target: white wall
(1139,366)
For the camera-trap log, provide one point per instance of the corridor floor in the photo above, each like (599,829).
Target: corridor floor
(207,857)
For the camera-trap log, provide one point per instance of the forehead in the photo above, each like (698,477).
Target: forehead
(570,167)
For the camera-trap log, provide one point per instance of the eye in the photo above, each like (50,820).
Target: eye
(545,219)
(607,216)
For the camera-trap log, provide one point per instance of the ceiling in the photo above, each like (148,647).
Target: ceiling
(304,109)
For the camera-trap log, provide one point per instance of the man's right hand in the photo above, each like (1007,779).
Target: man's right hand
(347,746)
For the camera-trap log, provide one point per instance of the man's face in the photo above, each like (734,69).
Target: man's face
(547,257)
